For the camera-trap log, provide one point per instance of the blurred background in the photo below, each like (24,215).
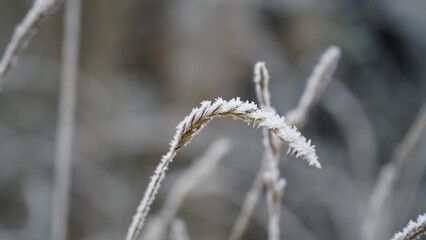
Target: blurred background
(146,63)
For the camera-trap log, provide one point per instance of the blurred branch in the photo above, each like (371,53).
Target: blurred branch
(23,33)
(179,231)
(358,132)
(389,173)
(65,127)
(186,183)
(249,204)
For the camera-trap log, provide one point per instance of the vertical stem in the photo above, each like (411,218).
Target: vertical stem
(65,127)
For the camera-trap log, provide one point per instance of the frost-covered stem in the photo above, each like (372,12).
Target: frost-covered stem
(271,174)
(413,230)
(196,120)
(275,186)
(270,156)
(185,184)
(272,144)
(65,127)
(388,176)
(316,84)
(275,190)
(23,32)
(261,80)
(179,231)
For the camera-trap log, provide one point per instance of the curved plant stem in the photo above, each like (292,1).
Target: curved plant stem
(195,121)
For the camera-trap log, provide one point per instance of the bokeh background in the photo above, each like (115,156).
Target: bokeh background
(146,63)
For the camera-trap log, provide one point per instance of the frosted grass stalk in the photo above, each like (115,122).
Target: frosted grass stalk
(296,117)
(197,119)
(269,163)
(413,230)
(315,86)
(272,145)
(274,194)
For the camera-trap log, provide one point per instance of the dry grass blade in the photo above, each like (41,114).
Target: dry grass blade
(197,119)
(413,230)
(388,176)
(315,85)
(23,32)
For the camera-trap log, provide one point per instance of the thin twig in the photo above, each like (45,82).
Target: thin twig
(40,10)
(65,127)
(389,175)
(195,121)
